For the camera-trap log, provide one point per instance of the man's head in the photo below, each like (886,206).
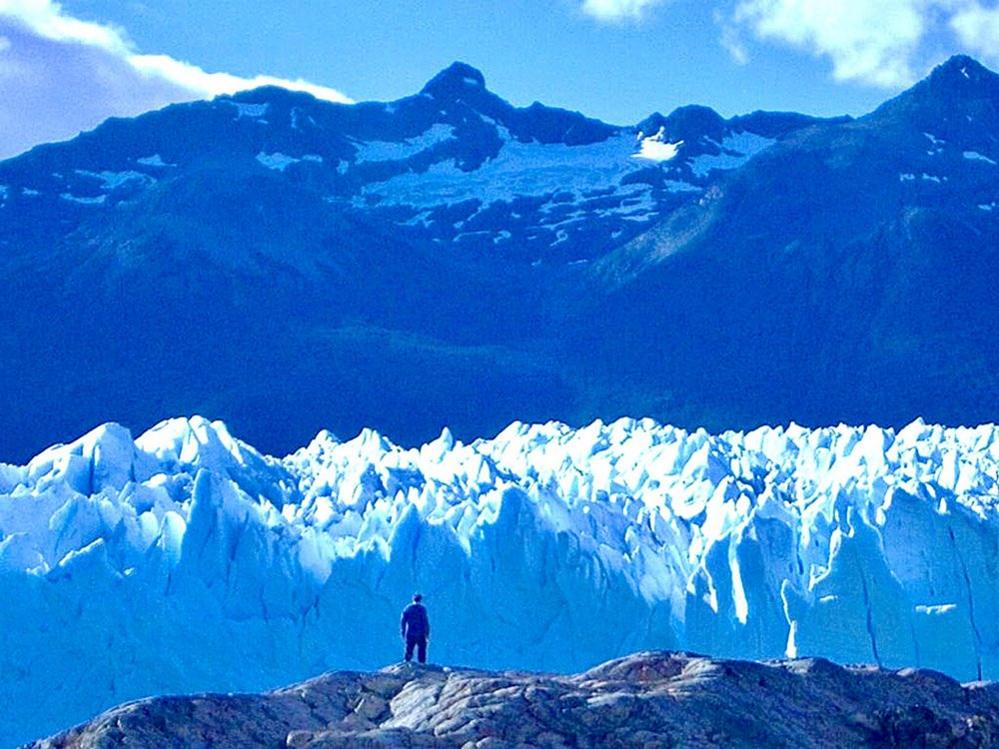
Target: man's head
(417,597)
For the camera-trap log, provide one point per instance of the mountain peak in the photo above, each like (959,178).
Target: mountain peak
(454,81)
(686,123)
(961,68)
(960,86)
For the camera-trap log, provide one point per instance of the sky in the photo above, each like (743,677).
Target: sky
(66,67)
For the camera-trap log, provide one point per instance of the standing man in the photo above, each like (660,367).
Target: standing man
(416,629)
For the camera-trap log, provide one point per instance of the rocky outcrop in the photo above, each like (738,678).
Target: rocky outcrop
(645,700)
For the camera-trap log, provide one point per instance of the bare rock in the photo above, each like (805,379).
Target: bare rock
(647,700)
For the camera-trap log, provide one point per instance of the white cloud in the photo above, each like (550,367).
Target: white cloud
(886,43)
(978,29)
(868,40)
(618,10)
(46,19)
(731,40)
(212,84)
(60,75)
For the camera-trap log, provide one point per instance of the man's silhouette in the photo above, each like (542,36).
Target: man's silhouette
(416,629)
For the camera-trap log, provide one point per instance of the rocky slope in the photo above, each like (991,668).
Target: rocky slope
(650,700)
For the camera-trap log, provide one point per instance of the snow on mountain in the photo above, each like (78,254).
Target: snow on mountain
(572,183)
(376,150)
(453,163)
(185,560)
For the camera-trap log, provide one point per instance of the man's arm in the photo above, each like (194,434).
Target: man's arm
(402,625)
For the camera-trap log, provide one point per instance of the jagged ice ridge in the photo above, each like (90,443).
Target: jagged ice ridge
(185,560)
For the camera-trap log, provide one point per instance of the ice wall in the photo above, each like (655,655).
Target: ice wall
(186,561)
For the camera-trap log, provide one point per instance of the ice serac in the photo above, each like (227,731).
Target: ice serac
(185,560)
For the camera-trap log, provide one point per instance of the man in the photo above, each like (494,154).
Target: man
(416,629)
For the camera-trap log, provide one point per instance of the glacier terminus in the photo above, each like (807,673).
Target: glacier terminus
(186,560)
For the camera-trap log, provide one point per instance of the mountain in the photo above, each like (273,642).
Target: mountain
(185,560)
(842,274)
(288,265)
(655,700)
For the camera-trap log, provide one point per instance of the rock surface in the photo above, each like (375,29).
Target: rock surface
(652,699)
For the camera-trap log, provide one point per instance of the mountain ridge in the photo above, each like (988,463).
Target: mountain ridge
(521,263)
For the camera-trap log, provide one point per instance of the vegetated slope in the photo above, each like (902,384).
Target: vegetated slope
(187,561)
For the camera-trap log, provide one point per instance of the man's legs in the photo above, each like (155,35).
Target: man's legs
(410,642)
(422,649)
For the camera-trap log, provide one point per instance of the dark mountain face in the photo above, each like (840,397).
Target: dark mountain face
(288,264)
(960,100)
(843,274)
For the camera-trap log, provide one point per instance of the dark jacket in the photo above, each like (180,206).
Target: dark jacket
(415,622)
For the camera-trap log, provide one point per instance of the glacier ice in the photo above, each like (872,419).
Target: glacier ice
(185,560)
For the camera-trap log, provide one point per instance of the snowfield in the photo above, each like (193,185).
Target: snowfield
(185,560)
(519,169)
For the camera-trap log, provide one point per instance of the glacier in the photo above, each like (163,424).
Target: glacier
(185,560)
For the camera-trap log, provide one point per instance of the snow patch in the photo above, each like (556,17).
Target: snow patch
(681,186)
(154,160)
(519,169)
(83,200)
(278,161)
(975,156)
(736,150)
(112,180)
(656,148)
(378,150)
(243,109)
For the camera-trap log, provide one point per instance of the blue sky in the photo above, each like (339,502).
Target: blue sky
(528,49)
(617,60)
